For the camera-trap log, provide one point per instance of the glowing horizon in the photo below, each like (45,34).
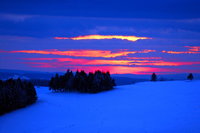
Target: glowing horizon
(118,58)
(99,37)
(111,69)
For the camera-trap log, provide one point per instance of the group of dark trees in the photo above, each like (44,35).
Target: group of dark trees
(154,77)
(82,82)
(16,94)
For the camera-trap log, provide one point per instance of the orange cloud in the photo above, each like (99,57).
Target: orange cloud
(84,53)
(98,37)
(182,52)
(166,63)
(70,61)
(191,50)
(151,58)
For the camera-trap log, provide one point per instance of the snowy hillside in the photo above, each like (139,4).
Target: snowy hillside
(146,107)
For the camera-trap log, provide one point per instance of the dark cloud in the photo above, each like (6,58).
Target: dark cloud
(55,26)
(174,9)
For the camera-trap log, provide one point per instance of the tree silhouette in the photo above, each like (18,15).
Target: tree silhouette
(190,76)
(153,77)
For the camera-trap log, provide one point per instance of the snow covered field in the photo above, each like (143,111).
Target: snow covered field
(146,107)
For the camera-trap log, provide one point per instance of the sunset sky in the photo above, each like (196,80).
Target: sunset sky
(137,37)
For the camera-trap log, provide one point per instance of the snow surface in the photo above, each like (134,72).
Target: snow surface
(147,107)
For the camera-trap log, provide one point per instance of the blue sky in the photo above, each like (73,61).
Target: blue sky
(174,27)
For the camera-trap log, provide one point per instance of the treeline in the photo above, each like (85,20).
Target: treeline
(82,82)
(16,94)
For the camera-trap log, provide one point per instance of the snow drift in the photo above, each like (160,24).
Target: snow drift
(147,107)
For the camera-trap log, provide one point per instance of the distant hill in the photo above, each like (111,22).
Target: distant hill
(6,74)
(182,76)
(120,79)
(126,80)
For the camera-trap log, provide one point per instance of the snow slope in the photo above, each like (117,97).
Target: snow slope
(146,107)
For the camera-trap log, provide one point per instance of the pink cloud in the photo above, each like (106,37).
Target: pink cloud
(84,53)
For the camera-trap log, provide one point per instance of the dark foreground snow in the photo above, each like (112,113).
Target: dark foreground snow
(148,107)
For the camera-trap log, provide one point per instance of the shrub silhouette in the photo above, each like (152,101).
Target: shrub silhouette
(190,76)
(153,77)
